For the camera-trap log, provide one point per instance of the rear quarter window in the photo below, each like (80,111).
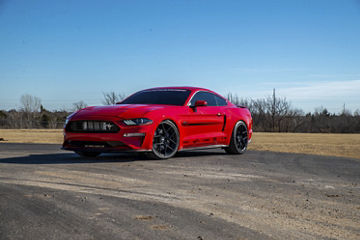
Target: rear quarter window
(220,101)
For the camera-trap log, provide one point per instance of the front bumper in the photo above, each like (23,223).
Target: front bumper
(102,149)
(128,138)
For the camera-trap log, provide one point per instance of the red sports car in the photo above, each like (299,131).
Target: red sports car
(160,122)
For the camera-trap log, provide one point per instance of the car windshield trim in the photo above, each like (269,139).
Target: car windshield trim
(198,91)
(164,90)
(166,96)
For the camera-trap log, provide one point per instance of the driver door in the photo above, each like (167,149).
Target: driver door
(203,125)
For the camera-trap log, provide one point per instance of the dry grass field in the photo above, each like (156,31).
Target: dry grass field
(342,145)
(32,135)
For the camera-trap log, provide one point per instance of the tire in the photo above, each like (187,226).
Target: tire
(239,139)
(166,141)
(88,154)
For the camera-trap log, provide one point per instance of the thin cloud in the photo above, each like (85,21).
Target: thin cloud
(320,75)
(323,90)
(309,95)
(267,70)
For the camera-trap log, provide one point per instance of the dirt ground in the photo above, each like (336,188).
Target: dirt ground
(342,145)
(46,193)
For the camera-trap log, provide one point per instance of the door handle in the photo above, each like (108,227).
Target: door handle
(219,114)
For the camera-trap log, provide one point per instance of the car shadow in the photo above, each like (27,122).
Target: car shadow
(67,158)
(71,158)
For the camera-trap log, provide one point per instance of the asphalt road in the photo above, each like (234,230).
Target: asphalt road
(46,193)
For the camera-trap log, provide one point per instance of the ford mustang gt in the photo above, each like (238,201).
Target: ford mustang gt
(160,122)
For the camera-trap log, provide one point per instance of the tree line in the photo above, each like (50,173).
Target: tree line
(276,114)
(32,113)
(270,114)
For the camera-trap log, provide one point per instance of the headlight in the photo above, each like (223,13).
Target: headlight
(68,118)
(66,121)
(137,121)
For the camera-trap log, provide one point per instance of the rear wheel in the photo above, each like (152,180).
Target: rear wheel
(239,139)
(165,141)
(88,154)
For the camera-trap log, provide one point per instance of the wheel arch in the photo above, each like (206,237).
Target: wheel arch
(232,127)
(177,125)
(155,154)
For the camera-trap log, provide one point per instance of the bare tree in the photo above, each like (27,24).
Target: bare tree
(111,98)
(79,105)
(345,111)
(29,103)
(53,122)
(246,102)
(278,109)
(233,98)
(30,107)
(259,114)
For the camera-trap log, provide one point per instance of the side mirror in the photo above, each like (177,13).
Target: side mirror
(200,103)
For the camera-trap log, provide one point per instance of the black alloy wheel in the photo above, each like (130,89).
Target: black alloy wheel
(165,140)
(239,139)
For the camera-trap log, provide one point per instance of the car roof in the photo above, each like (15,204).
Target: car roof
(185,88)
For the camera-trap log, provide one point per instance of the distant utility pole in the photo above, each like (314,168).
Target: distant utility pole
(273,110)
(274,99)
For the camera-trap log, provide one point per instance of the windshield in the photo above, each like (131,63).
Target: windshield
(159,96)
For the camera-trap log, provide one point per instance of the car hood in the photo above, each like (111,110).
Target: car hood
(120,110)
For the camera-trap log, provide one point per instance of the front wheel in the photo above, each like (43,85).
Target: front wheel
(165,141)
(239,139)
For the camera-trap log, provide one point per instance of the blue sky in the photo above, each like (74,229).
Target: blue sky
(67,51)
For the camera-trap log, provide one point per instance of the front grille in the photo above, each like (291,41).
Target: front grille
(92,127)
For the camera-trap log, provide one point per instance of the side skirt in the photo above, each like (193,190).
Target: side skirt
(203,148)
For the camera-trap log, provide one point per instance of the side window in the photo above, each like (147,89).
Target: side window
(220,101)
(208,97)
